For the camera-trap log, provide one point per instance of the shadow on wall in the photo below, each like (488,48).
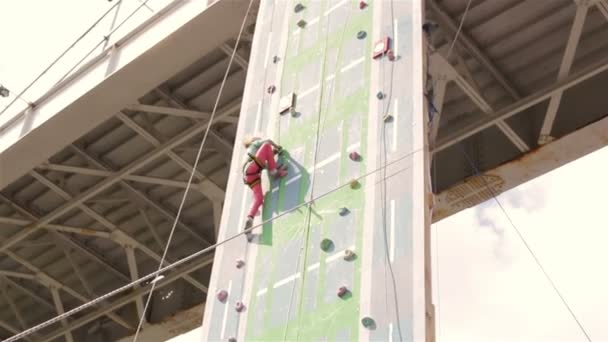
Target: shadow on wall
(288,197)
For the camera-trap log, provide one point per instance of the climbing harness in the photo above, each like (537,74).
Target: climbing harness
(258,172)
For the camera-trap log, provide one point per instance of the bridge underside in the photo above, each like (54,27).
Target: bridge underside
(521,93)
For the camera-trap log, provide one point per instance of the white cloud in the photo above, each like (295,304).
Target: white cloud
(491,288)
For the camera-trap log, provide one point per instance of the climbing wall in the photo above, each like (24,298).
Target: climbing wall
(340,251)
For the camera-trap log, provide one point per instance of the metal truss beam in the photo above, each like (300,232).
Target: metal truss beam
(132,262)
(138,196)
(469,45)
(238,59)
(217,217)
(178,273)
(159,241)
(221,142)
(108,182)
(60,311)
(118,235)
(438,62)
(564,70)
(438,102)
(102,173)
(10,328)
(14,274)
(521,105)
(209,188)
(83,280)
(68,239)
(56,227)
(13,306)
(185,113)
(28,292)
(49,281)
(602,5)
(16,310)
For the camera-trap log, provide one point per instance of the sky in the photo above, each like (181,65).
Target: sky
(488,286)
(36,32)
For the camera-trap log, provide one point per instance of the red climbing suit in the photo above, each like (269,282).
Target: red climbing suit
(264,157)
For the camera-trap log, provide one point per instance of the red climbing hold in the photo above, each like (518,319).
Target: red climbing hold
(222,295)
(381,47)
(391,55)
(354,156)
(342,291)
(362,4)
(239,307)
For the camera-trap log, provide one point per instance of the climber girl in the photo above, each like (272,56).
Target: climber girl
(260,156)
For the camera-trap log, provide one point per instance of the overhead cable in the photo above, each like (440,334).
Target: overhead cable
(61,56)
(194,167)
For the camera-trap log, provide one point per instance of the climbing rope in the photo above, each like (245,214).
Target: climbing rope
(193,256)
(196,161)
(383,188)
(320,124)
(464,15)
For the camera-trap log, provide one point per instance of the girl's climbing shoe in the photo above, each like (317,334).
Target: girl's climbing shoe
(248,225)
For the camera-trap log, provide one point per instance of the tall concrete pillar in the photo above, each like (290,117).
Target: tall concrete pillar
(348,116)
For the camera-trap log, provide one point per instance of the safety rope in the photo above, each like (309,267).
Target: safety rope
(320,125)
(194,167)
(383,187)
(307,222)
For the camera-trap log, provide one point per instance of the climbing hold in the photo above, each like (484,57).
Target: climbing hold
(381,47)
(275,59)
(222,295)
(301,23)
(342,291)
(326,245)
(344,211)
(232,339)
(271,89)
(362,4)
(348,255)
(388,118)
(354,184)
(298,7)
(240,263)
(391,55)
(368,322)
(286,103)
(361,34)
(380,95)
(239,307)
(354,156)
